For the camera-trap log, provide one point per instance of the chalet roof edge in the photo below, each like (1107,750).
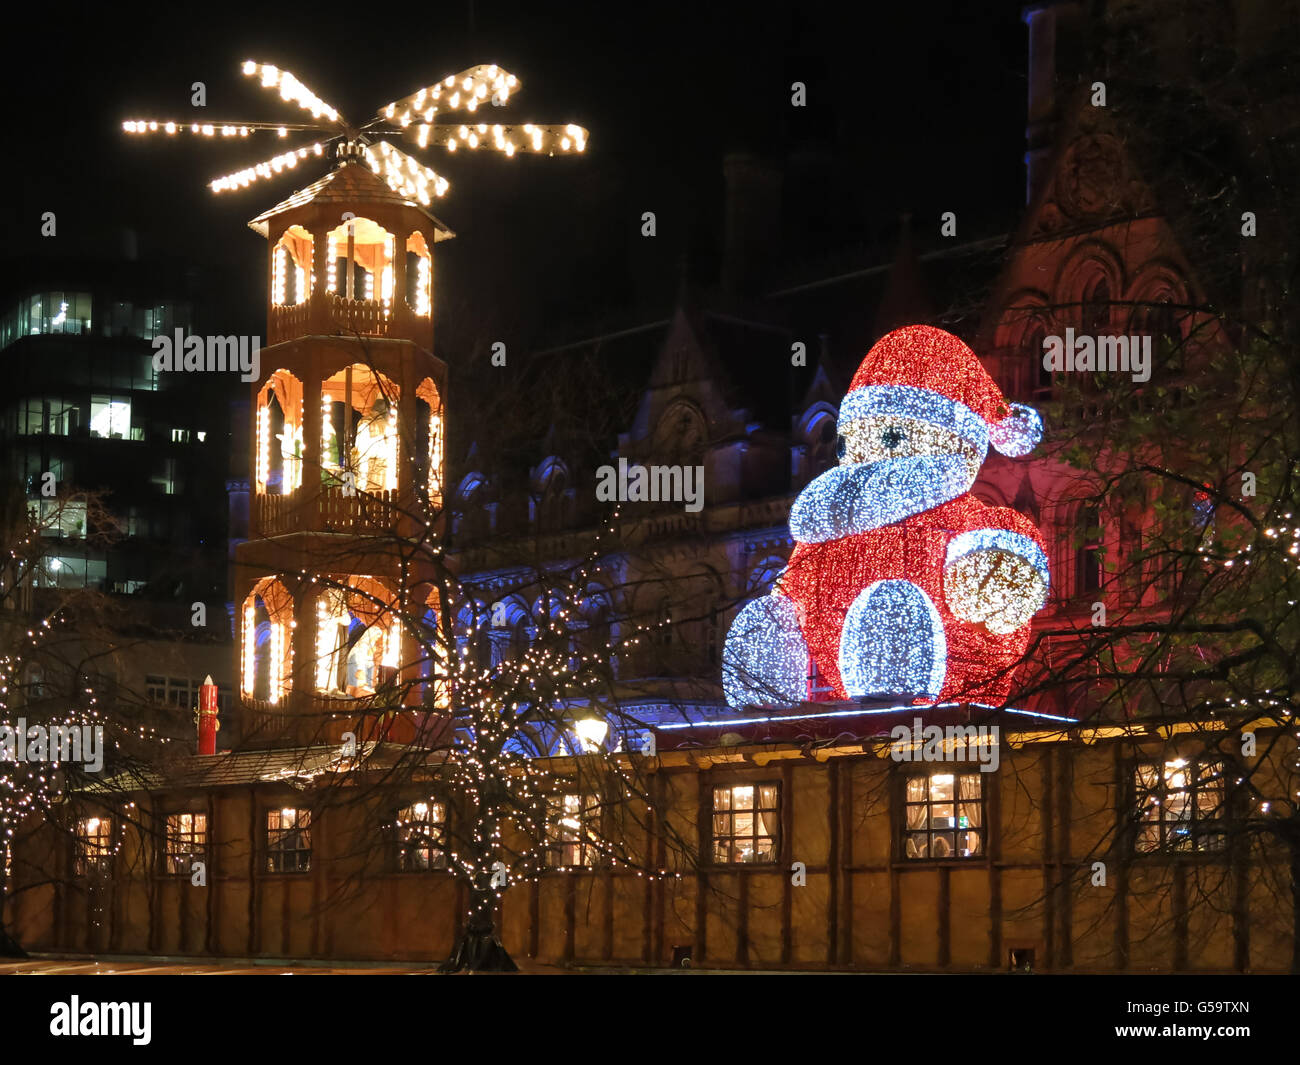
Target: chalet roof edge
(330,188)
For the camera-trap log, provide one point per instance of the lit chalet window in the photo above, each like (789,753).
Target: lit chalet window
(1180,806)
(571,841)
(288,840)
(745,823)
(421,837)
(94,846)
(187,842)
(944,816)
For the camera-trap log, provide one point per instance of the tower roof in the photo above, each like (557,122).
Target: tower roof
(347,184)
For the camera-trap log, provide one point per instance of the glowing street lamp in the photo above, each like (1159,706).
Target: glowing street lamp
(591,732)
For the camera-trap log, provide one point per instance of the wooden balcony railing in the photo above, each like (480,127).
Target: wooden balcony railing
(287,322)
(332,510)
(367,317)
(339,511)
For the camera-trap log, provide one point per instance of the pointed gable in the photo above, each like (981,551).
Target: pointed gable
(347,184)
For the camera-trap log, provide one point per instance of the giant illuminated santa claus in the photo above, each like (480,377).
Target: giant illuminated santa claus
(902,583)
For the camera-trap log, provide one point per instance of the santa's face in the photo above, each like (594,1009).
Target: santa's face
(891,467)
(915,463)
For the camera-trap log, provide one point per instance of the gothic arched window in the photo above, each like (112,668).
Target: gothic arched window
(1095,312)
(821,436)
(1088,571)
(681,435)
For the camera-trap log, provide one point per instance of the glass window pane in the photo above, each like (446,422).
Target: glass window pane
(941,785)
(1177,807)
(1208,802)
(943,845)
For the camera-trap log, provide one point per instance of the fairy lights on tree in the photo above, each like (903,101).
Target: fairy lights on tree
(514,717)
(538,759)
(56,734)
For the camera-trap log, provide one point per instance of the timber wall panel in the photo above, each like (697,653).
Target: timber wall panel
(591,899)
(766,902)
(553,932)
(869,830)
(722,914)
(1093,925)
(871,920)
(969,918)
(628,900)
(1022,910)
(1151,916)
(919,919)
(1270,920)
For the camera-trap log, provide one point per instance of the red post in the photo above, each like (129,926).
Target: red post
(208,723)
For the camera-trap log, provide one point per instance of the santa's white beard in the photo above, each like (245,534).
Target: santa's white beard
(853,499)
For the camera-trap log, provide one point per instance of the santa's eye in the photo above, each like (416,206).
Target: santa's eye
(891,437)
(841,446)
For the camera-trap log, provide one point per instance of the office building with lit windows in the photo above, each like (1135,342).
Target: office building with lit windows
(85,412)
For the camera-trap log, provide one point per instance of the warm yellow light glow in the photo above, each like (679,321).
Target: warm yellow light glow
(327,458)
(331,627)
(392,642)
(291,89)
(277,275)
(263,446)
(997,588)
(403,174)
(275,165)
(249,648)
(591,731)
(291,457)
(278,662)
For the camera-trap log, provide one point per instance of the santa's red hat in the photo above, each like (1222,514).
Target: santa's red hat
(922,372)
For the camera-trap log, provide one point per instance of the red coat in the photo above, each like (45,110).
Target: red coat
(824,579)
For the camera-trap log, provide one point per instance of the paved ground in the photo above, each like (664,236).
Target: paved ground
(216,967)
(120,966)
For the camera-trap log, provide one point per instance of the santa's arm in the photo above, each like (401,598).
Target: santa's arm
(852,499)
(997,577)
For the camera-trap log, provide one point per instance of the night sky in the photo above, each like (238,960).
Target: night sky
(916,106)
